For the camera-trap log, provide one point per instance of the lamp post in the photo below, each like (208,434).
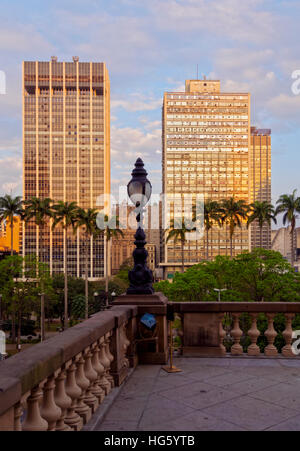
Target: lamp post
(219,292)
(139,191)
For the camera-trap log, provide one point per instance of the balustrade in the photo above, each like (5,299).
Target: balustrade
(60,387)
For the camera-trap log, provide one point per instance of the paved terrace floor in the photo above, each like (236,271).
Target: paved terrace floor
(228,394)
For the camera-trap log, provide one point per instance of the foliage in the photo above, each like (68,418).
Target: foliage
(78,307)
(259,275)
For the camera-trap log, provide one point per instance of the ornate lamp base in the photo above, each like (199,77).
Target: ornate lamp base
(140,276)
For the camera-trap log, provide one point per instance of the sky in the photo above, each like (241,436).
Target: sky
(152,46)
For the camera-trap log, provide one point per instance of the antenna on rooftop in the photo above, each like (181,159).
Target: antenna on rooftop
(197,73)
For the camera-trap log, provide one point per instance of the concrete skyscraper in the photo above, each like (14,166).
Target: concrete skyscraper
(207,150)
(66,152)
(260,176)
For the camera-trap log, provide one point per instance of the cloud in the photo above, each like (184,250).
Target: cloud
(133,104)
(11,175)
(127,144)
(242,21)
(22,39)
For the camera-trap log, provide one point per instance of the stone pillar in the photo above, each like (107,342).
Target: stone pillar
(288,336)
(155,304)
(270,333)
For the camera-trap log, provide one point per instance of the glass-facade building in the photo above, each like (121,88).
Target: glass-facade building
(260,176)
(206,151)
(66,153)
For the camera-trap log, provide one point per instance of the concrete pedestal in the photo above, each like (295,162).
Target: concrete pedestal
(155,304)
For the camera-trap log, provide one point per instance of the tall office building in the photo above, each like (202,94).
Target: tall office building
(206,143)
(66,151)
(260,185)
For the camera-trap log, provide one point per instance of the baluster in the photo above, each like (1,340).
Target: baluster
(124,343)
(17,416)
(82,381)
(73,391)
(49,410)
(288,336)
(97,390)
(62,400)
(222,334)
(270,349)
(110,358)
(253,333)
(33,420)
(104,382)
(236,348)
(90,399)
(106,385)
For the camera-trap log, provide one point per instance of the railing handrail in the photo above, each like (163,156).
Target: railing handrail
(239,307)
(22,372)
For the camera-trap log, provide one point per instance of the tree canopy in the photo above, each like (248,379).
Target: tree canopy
(257,276)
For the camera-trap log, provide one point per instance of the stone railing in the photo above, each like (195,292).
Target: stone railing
(58,384)
(204,332)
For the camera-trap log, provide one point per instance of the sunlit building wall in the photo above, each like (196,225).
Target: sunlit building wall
(206,142)
(66,151)
(260,185)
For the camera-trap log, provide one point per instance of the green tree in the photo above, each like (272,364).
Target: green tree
(65,214)
(265,276)
(262,212)
(23,280)
(10,208)
(178,233)
(232,213)
(78,308)
(87,220)
(289,205)
(211,217)
(39,210)
(260,275)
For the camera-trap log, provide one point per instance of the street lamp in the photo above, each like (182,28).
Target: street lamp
(219,292)
(139,191)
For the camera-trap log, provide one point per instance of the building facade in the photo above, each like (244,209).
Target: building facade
(206,142)
(5,235)
(66,153)
(260,182)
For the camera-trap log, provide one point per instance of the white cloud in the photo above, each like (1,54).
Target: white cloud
(137,102)
(11,175)
(244,21)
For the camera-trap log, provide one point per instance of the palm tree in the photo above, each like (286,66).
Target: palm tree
(178,232)
(10,208)
(87,220)
(112,229)
(232,213)
(38,209)
(289,205)
(262,212)
(211,216)
(65,214)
